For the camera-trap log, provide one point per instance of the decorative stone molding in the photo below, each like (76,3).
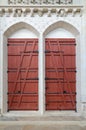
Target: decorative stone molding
(29,2)
(40,11)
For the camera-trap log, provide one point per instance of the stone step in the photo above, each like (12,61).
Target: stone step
(42,118)
(42,123)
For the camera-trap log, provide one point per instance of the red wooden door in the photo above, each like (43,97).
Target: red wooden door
(60,74)
(22,74)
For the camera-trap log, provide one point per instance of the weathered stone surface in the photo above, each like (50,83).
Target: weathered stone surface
(49,127)
(43,123)
(42,127)
(53,118)
(4,118)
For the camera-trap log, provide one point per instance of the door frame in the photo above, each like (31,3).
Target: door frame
(78,85)
(41,60)
(41,81)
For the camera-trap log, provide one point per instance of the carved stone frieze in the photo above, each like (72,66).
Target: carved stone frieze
(29,2)
(40,11)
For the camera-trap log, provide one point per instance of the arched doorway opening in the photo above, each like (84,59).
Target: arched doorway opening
(20,44)
(62,88)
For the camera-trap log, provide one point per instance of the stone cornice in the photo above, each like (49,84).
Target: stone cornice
(25,11)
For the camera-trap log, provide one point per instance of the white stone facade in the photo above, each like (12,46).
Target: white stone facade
(41,22)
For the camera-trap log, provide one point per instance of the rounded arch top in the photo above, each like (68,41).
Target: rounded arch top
(18,26)
(61,24)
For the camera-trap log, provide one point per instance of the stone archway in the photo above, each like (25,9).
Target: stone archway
(72,30)
(61,24)
(12,29)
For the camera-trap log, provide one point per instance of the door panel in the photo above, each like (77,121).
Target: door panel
(60,75)
(22,74)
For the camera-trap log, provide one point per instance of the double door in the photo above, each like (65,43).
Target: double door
(60,74)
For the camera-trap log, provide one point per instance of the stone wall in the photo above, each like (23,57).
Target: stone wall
(41,18)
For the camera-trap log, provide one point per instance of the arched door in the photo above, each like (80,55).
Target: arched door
(60,75)
(22,74)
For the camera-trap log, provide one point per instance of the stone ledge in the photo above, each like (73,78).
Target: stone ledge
(44,118)
(42,125)
(25,11)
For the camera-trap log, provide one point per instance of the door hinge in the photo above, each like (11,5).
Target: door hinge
(75,101)
(47,51)
(7,71)
(46,104)
(8,110)
(75,110)
(36,51)
(75,93)
(8,44)
(46,78)
(7,102)
(46,88)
